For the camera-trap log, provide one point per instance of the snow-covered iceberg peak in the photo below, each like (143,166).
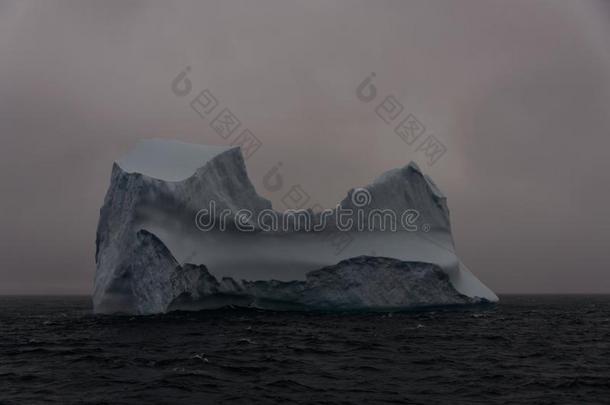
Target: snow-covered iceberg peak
(151,257)
(168,160)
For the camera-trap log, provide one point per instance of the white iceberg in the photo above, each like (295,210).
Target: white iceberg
(151,257)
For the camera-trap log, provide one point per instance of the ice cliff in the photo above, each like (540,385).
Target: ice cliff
(152,258)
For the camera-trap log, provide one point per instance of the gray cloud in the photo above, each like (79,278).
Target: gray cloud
(519,92)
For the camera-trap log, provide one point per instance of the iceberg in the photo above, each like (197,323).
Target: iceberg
(153,255)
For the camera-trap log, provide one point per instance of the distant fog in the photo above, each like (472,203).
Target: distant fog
(518,93)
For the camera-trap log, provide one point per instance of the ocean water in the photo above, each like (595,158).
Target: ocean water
(525,350)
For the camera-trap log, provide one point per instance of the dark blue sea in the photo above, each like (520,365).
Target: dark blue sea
(525,350)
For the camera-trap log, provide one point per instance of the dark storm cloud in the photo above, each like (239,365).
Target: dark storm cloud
(518,92)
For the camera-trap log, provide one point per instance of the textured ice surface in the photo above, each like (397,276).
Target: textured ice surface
(362,282)
(149,250)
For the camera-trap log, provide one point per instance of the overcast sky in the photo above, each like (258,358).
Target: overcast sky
(518,92)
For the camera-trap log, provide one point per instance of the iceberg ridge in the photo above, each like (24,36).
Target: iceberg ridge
(151,257)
